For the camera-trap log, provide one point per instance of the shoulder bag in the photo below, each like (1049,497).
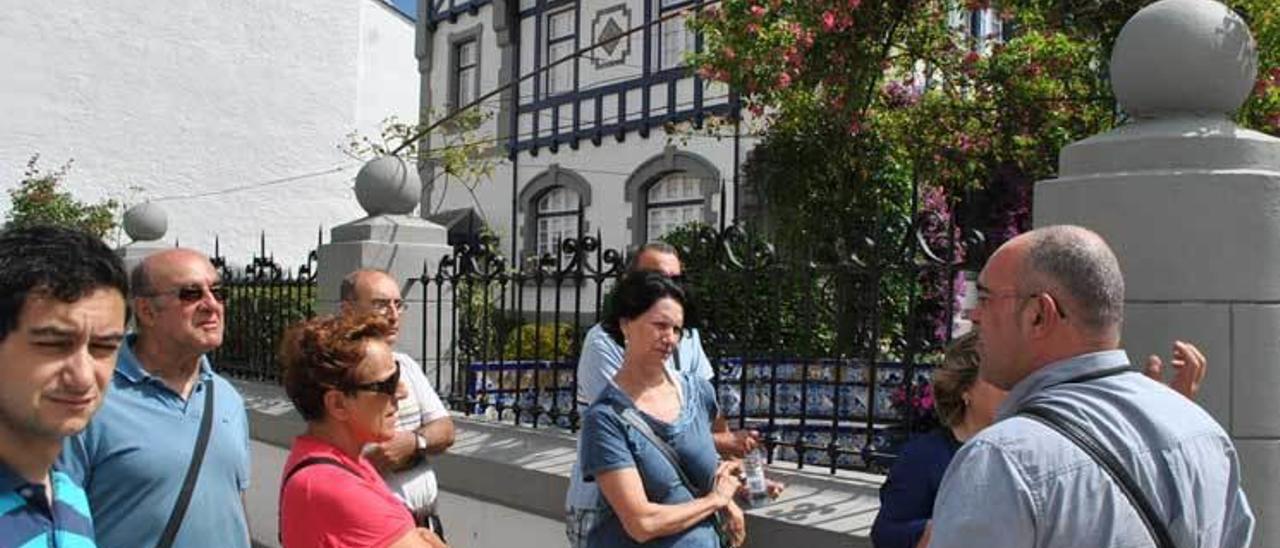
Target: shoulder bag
(1059,423)
(193,471)
(632,417)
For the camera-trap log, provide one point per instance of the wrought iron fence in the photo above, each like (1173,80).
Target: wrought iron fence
(262,300)
(824,358)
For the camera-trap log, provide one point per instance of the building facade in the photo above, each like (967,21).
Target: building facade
(581,142)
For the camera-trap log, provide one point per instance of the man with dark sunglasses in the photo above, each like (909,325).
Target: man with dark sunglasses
(136,455)
(423,427)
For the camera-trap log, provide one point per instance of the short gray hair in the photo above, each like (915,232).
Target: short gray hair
(656,246)
(1080,263)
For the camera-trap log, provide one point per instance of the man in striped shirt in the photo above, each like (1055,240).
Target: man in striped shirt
(62,319)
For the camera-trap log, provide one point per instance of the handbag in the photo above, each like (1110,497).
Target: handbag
(632,417)
(193,471)
(1085,441)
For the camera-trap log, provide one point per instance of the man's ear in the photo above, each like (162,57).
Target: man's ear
(1041,315)
(344,307)
(145,311)
(336,405)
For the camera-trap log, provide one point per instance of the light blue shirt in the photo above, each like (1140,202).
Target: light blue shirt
(134,454)
(600,360)
(1019,483)
(609,443)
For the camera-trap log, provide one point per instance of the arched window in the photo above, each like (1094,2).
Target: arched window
(553,205)
(559,216)
(672,201)
(668,191)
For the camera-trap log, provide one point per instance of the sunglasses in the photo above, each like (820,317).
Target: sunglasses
(193,293)
(387,386)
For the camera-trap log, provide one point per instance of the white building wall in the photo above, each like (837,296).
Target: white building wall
(192,102)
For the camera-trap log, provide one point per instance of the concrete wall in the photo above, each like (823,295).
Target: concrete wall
(517,477)
(201,97)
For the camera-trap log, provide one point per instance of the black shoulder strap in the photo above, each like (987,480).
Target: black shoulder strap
(309,461)
(1081,437)
(193,471)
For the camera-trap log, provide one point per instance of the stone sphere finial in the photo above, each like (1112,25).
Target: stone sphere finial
(1183,56)
(146,222)
(388,185)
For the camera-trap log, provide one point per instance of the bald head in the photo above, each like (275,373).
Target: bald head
(352,283)
(373,291)
(1080,265)
(142,280)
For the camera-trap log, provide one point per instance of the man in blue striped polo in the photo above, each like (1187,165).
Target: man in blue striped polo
(62,318)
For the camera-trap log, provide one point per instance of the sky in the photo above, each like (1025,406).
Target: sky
(408,7)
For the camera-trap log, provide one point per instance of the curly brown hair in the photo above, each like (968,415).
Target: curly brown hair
(322,354)
(958,372)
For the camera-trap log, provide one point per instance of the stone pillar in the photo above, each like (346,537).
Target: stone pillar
(1191,204)
(390,238)
(145,224)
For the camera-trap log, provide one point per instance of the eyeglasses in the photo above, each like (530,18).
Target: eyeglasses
(387,386)
(986,295)
(385,306)
(192,293)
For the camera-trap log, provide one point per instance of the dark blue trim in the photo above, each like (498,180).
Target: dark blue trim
(513,27)
(619,129)
(439,12)
(669,75)
(538,46)
(577,46)
(648,68)
(543,7)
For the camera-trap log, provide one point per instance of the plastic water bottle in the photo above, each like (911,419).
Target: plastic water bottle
(757,489)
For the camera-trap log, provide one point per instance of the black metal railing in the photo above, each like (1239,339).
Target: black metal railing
(262,300)
(825,358)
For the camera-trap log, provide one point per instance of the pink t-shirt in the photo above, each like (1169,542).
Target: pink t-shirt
(325,505)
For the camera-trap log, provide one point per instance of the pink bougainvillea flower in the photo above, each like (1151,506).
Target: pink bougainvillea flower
(828,21)
(784,80)
(757,11)
(853,4)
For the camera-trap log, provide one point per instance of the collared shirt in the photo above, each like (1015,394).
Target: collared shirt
(417,485)
(134,455)
(600,360)
(1019,483)
(27,518)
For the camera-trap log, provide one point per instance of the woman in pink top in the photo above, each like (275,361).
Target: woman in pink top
(342,378)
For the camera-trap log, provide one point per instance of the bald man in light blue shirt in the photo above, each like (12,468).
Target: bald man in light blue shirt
(1049,311)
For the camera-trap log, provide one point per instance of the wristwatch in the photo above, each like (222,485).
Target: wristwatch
(422,443)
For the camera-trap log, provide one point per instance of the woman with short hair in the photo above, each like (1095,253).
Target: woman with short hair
(341,376)
(964,404)
(646,500)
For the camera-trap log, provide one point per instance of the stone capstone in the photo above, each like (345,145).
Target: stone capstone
(388,185)
(146,222)
(1183,56)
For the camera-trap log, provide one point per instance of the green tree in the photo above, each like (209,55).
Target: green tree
(862,101)
(40,199)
